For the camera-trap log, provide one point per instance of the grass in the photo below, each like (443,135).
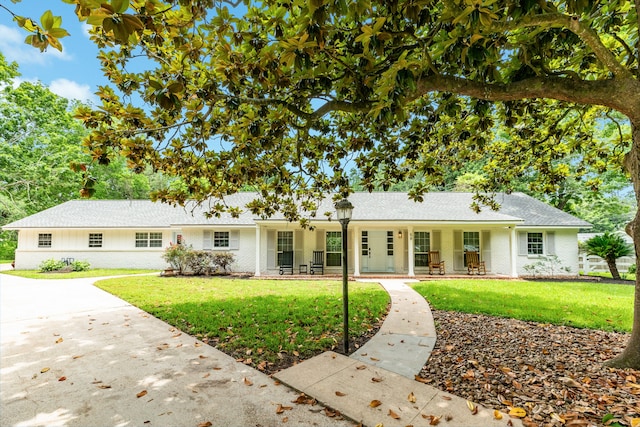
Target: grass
(607,275)
(6,261)
(98,272)
(263,318)
(607,307)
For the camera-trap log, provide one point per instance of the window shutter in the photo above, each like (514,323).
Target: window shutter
(522,243)
(207,240)
(435,240)
(234,240)
(551,243)
(485,250)
(271,249)
(320,240)
(458,252)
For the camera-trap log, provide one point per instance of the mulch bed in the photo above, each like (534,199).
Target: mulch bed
(554,373)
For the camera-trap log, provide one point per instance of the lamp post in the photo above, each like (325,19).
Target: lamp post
(343,210)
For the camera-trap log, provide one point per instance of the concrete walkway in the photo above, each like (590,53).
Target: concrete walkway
(376,385)
(74,355)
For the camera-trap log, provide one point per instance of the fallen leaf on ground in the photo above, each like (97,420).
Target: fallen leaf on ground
(205,424)
(361,367)
(43,370)
(497,414)
(517,412)
(340,394)
(62,379)
(330,412)
(247,381)
(142,393)
(393,415)
(59,340)
(377,380)
(375,403)
(420,379)
(411,398)
(280,409)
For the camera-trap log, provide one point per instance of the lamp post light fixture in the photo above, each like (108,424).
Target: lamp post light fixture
(344,208)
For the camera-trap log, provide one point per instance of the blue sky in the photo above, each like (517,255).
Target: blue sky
(73,73)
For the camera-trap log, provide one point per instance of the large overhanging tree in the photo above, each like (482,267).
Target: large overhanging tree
(289,95)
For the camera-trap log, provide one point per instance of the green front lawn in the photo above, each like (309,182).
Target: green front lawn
(260,320)
(573,303)
(97,272)
(607,275)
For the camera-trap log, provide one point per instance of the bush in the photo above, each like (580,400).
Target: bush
(186,259)
(548,266)
(49,265)
(80,266)
(632,269)
(176,255)
(223,259)
(200,262)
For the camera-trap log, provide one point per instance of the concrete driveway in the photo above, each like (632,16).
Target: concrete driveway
(74,355)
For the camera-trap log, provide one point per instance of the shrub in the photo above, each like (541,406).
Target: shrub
(223,259)
(632,269)
(80,265)
(176,256)
(547,266)
(49,265)
(199,262)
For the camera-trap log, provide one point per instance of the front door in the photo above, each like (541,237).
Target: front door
(377,251)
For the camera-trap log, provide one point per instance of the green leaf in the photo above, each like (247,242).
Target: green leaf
(47,20)
(120,6)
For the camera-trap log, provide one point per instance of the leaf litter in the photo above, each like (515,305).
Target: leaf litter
(545,375)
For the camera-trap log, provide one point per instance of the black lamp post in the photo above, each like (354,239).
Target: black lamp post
(344,209)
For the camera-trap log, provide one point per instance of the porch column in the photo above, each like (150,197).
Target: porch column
(411,255)
(258,244)
(356,252)
(513,243)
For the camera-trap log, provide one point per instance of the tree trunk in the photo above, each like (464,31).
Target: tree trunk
(613,268)
(630,357)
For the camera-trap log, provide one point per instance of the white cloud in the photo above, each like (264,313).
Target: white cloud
(72,90)
(13,47)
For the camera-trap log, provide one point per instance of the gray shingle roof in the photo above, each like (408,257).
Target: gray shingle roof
(436,207)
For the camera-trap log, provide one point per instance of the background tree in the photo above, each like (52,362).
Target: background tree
(39,139)
(609,247)
(288,96)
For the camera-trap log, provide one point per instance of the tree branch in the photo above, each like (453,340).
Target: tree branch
(579,28)
(612,93)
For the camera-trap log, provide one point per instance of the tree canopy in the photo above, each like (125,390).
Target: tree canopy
(289,95)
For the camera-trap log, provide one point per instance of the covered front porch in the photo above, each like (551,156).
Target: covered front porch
(385,249)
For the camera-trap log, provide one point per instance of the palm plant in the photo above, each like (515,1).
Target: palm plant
(609,247)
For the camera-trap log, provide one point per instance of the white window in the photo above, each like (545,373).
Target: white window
(390,243)
(44,240)
(285,244)
(334,248)
(148,240)
(95,240)
(221,239)
(470,242)
(535,245)
(422,246)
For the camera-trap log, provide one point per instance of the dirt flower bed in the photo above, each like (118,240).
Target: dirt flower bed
(554,373)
